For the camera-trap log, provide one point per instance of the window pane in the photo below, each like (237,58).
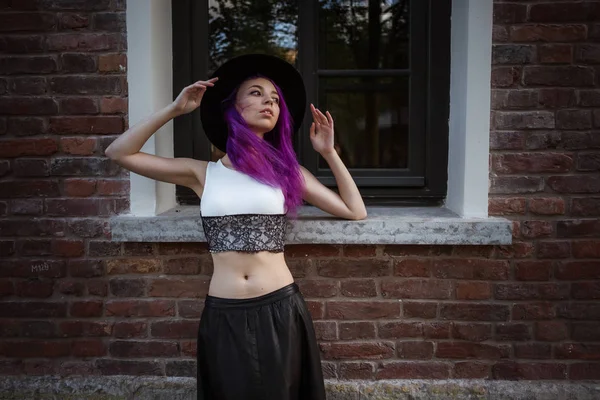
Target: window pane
(371,117)
(364,34)
(239,27)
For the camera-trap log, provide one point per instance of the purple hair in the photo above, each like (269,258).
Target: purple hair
(271,161)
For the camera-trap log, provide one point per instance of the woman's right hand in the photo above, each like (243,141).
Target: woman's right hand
(190,97)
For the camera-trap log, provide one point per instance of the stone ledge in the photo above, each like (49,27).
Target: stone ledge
(126,387)
(384,225)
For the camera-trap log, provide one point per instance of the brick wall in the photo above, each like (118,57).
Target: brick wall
(74,302)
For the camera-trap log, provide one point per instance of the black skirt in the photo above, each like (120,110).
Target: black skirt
(261,348)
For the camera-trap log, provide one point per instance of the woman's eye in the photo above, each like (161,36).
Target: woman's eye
(276,100)
(255,92)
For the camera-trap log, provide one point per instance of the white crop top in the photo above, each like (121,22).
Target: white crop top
(240,213)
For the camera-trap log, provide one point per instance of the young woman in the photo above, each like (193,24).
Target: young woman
(256,338)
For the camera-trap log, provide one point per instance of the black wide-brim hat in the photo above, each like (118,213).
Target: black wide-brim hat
(235,71)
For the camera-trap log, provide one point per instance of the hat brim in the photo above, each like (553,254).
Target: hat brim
(235,71)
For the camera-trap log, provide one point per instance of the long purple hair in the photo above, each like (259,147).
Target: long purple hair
(271,161)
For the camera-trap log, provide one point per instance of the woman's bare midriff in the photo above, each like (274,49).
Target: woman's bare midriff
(238,275)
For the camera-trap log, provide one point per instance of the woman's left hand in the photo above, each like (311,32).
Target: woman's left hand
(321,131)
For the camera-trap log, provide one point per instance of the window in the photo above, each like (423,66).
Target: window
(380,67)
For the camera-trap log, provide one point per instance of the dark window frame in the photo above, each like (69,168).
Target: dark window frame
(424,182)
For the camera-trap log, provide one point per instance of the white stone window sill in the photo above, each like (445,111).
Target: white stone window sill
(384,225)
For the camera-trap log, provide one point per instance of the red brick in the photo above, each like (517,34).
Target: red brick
(505,13)
(140,308)
(516,250)
(533,311)
(129,367)
(27,65)
(563,76)
(362,309)
(33,309)
(507,140)
(325,330)
(499,34)
(86,309)
(472,332)
(358,288)
(318,287)
(532,163)
(34,247)
(23,44)
(312,250)
(415,350)
(586,249)
(347,268)
(83,42)
(174,329)
(470,370)
(531,291)
(112,63)
(587,371)
(578,228)
(188,287)
(356,370)
(33,268)
(127,287)
(548,33)
(73,21)
(28,85)
(412,267)
(39,289)
(578,270)
(72,207)
(86,268)
(88,348)
(574,184)
(551,331)
(346,351)
(97,287)
(417,309)
(579,310)
(512,332)
(28,106)
(114,105)
(547,205)
(574,119)
(78,62)
(28,147)
(356,330)
(521,99)
(110,21)
(556,54)
(78,105)
(474,312)
(470,269)
(511,370)
(585,290)
(462,350)
(104,249)
(533,270)
(76,187)
(537,229)
(577,351)
(587,54)
(86,125)
(416,289)
(35,348)
(84,5)
(27,21)
(27,126)
(86,85)
(78,146)
(557,98)
(564,12)
(139,349)
(585,331)
(533,350)
(413,370)
(126,330)
(68,248)
(472,290)
(505,76)
(356,250)
(71,288)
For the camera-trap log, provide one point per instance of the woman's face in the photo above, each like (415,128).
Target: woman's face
(257,102)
